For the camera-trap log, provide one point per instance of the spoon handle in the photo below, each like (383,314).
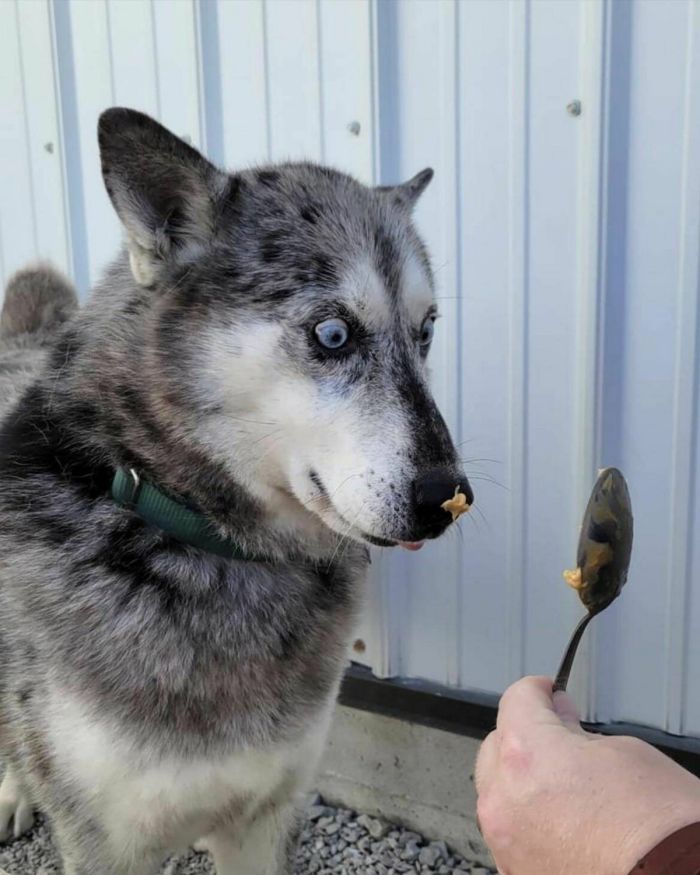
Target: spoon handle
(568,660)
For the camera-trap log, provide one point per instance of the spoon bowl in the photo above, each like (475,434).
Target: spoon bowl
(602,557)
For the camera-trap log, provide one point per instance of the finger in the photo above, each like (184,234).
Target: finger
(499,867)
(566,710)
(527,701)
(486,762)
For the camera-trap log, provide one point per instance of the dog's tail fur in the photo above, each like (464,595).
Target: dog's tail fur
(37,299)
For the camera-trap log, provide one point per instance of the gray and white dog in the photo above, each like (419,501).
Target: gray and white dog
(258,353)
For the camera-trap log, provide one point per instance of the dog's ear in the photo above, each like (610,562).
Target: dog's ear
(406,195)
(163,190)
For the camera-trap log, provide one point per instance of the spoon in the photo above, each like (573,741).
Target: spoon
(603,557)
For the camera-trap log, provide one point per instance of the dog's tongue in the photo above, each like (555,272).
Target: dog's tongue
(411,545)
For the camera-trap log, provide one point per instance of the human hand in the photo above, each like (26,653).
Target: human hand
(555,799)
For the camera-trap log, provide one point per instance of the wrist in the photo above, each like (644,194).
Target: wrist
(650,831)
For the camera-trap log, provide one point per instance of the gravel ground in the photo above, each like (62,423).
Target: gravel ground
(334,842)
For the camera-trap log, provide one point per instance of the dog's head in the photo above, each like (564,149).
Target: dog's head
(292,312)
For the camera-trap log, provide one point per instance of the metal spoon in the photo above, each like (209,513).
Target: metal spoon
(603,556)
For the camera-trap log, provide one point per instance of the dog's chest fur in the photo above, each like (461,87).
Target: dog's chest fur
(177,799)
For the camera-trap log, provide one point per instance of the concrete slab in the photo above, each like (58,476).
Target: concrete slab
(418,776)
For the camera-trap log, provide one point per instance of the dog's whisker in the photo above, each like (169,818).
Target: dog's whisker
(474,522)
(484,478)
(465,461)
(273,443)
(250,421)
(465,441)
(483,516)
(277,431)
(341,541)
(347,479)
(346,536)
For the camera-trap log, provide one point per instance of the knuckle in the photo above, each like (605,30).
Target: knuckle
(493,820)
(627,746)
(485,811)
(513,753)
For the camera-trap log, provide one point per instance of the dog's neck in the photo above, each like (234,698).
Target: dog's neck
(104,399)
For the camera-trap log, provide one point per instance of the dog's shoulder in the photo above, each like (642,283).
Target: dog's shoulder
(20,360)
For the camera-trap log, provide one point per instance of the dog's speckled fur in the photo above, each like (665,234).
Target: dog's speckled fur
(150,693)
(38,301)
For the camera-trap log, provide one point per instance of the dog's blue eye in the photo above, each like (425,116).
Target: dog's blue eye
(333,333)
(427,331)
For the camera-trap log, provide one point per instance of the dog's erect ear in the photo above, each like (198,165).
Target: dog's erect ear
(163,190)
(406,195)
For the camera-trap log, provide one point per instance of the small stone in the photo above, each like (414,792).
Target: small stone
(378,829)
(331,829)
(429,856)
(317,811)
(410,850)
(443,849)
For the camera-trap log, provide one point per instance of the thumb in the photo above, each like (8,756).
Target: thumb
(566,710)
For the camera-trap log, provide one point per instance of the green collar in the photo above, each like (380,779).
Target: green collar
(171,516)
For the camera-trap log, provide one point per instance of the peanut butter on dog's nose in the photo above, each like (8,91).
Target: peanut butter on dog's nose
(457,505)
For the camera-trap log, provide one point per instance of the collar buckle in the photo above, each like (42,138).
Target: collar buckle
(126,487)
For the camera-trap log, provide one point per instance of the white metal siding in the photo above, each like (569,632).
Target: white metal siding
(567,255)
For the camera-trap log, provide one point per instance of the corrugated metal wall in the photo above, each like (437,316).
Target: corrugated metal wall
(566,250)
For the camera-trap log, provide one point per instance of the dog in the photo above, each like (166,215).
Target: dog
(254,362)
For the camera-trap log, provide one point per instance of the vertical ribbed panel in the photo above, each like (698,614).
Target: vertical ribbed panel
(32,209)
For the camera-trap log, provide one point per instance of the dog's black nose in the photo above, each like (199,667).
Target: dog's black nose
(430,492)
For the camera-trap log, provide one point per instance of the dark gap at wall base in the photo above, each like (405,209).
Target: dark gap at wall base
(474,714)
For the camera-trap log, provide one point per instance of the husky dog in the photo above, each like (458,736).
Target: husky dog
(256,354)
